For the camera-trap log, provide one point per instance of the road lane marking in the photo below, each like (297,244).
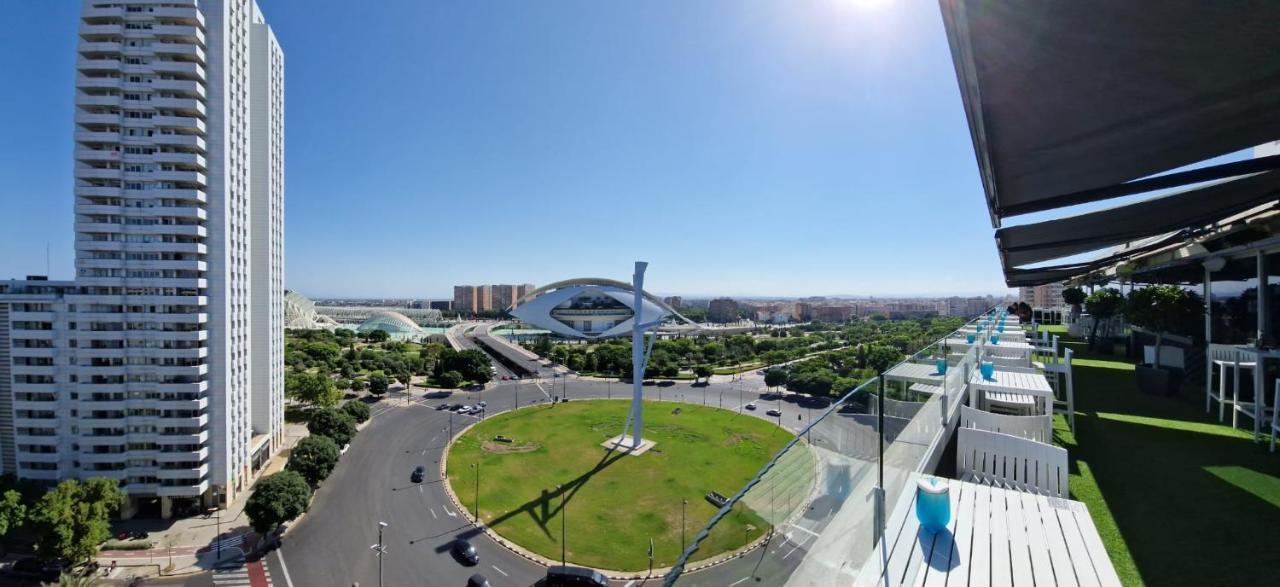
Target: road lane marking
(451,514)
(504,573)
(738,581)
(433,513)
(419,490)
(284,568)
(630,583)
(803,529)
(797,547)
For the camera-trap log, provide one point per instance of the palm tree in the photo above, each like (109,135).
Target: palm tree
(68,580)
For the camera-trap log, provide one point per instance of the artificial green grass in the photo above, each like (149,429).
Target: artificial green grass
(1178,498)
(616,502)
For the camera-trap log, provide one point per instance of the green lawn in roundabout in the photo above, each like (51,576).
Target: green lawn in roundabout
(616,502)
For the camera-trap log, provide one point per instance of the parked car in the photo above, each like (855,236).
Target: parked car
(559,576)
(418,473)
(751,406)
(774,412)
(482,405)
(478,580)
(465,552)
(442,407)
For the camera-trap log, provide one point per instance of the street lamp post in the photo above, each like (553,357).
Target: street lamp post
(476,466)
(563,514)
(380,550)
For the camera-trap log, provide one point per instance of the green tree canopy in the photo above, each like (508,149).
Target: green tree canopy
(359,411)
(377,336)
(13,512)
(277,499)
(775,377)
(74,518)
(316,389)
(378,383)
(449,379)
(334,423)
(314,458)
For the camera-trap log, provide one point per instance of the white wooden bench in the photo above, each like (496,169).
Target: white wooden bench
(1009,461)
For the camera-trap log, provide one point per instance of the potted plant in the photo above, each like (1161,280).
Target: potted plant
(1074,296)
(1162,309)
(1102,305)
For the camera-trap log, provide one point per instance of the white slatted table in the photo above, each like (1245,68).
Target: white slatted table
(996,537)
(1011,389)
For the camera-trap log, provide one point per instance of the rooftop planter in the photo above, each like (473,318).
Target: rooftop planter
(1102,305)
(1163,310)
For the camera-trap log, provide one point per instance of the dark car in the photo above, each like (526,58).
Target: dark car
(442,407)
(418,473)
(750,406)
(774,413)
(574,577)
(478,580)
(465,552)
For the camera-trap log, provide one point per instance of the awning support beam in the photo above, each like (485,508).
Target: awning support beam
(1139,186)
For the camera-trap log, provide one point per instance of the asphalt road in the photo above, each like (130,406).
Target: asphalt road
(331,545)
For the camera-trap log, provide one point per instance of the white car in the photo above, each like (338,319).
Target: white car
(465,410)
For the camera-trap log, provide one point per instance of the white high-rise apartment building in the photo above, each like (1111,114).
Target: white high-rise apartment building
(164,360)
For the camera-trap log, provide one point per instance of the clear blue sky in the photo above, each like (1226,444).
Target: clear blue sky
(744,148)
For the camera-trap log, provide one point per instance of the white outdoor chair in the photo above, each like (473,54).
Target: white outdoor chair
(1046,352)
(1012,462)
(1228,360)
(1037,428)
(1065,393)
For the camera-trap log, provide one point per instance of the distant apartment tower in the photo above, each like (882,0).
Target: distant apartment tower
(722,310)
(674,301)
(162,364)
(803,311)
(487,298)
(442,305)
(1048,295)
(833,313)
(504,296)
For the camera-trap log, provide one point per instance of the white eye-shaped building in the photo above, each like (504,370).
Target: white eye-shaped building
(588,308)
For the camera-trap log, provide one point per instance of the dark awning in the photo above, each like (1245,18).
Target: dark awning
(1066,98)
(1073,235)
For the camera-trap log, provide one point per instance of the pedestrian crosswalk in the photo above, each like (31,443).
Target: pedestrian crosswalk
(254,574)
(232,541)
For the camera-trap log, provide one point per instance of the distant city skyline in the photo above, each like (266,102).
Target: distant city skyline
(760,149)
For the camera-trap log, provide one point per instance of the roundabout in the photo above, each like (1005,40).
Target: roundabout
(540,472)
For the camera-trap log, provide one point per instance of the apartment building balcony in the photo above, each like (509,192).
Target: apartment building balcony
(182,300)
(185,473)
(103,13)
(183,437)
(87,154)
(23,422)
(17,352)
(84,117)
(199,403)
(83,99)
(89,420)
(35,387)
(86,457)
(195,490)
(187,14)
(183,49)
(49,370)
(184,86)
(97,64)
(196,353)
(86,388)
(178,141)
(99,47)
(180,158)
(190,68)
(196,387)
(96,136)
(97,173)
(98,83)
(182,32)
(180,457)
(195,177)
(24,333)
(39,457)
(117,474)
(24,316)
(93,32)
